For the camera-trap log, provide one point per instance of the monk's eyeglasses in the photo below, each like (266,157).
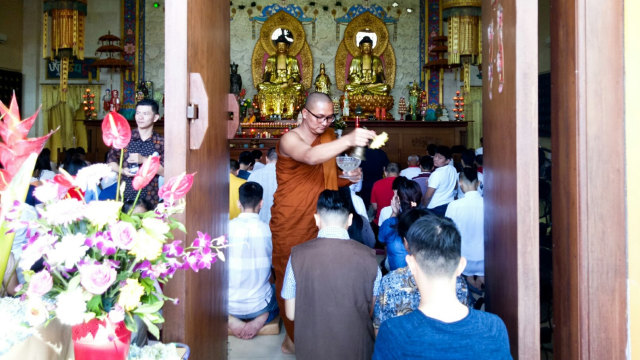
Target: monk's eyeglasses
(329,118)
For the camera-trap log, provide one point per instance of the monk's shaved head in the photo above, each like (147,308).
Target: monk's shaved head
(317,98)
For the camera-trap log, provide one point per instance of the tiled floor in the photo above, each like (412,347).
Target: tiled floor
(259,348)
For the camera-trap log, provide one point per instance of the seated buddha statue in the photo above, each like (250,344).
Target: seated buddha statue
(280,90)
(366,73)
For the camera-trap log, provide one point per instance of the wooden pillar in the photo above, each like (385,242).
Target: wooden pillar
(588,187)
(510,118)
(197,41)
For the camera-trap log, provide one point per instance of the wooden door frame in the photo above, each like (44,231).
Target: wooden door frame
(510,130)
(588,185)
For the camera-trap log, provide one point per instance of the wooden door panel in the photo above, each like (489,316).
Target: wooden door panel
(197,41)
(510,132)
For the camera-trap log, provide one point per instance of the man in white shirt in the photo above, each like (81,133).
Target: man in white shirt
(468,215)
(442,182)
(252,300)
(414,169)
(266,177)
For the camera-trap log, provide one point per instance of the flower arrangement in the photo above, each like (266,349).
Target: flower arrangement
(339,123)
(99,261)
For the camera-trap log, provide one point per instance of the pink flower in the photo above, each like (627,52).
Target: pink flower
(147,171)
(174,249)
(96,278)
(116,131)
(176,188)
(203,241)
(123,235)
(40,284)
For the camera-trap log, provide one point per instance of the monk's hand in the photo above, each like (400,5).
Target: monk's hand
(360,137)
(354,175)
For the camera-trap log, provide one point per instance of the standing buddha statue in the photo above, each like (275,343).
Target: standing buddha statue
(323,83)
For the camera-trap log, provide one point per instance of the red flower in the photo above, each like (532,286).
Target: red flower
(116,131)
(147,171)
(15,148)
(176,188)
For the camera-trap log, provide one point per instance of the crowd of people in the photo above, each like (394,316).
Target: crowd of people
(313,247)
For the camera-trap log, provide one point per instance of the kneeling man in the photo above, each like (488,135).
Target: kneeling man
(442,328)
(329,288)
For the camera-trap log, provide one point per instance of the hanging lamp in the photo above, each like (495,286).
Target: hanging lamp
(66,35)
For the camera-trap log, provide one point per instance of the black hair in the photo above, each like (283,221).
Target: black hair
(468,157)
(479,160)
(355,230)
(431,149)
(257,154)
(250,194)
(44,160)
(469,173)
(330,201)
(272,154)
(282,39)
(366,40)
(408,191)
(149,102)
(81,151)
(426,162)
(444,151)
(74,166)
(392,168)
(407,218)
(246,158)
(234,165)
(435,242)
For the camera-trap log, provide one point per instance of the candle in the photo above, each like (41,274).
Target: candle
(384,113)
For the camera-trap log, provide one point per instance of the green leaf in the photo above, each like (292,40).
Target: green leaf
(94,304)
(149,308)
(74,282)
(147,283)
(180,226)
(151,327)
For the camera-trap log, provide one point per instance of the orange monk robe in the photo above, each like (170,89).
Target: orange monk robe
(294,204)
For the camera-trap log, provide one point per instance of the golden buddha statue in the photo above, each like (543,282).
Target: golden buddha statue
(323,83)
(280,90)
(366,73)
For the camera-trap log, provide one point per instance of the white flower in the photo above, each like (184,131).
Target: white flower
(90,176)
(47,192)
(63,212)
(34,251)
(100,213)
(156,228)
(68,251)
(116,314)
(36,312)
(71,306)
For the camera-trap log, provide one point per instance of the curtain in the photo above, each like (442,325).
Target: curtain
(55,113)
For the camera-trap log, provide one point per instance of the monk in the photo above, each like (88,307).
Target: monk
(306,166)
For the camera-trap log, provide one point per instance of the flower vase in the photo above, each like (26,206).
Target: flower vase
(338,133)
(100,340)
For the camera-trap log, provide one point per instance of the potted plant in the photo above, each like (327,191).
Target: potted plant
(101,265)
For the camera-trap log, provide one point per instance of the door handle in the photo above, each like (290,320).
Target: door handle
(234,121)
(197,111)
